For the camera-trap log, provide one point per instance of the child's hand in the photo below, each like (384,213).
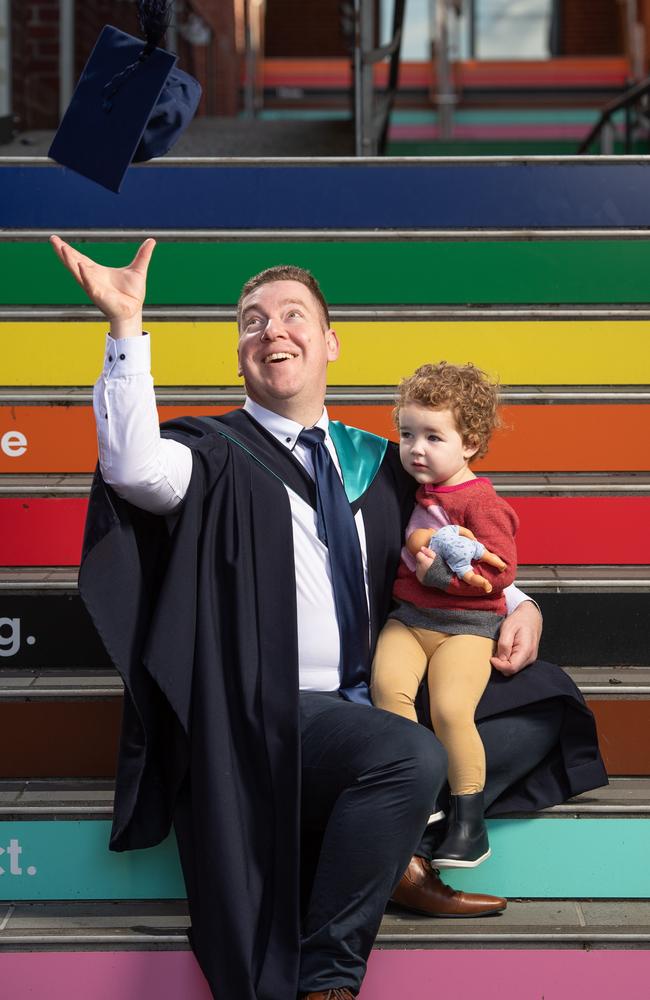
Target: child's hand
(419,538)
(423,561)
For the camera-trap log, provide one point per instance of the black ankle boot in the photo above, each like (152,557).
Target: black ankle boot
(466,842)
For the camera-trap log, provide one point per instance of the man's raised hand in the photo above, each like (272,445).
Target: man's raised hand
(118,291)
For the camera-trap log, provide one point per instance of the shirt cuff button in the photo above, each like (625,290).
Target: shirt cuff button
(122,357)
(110,357)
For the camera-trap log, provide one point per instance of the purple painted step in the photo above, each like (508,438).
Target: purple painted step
(409,975)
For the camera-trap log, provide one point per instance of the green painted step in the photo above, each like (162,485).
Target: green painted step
(455,272)
(540,857)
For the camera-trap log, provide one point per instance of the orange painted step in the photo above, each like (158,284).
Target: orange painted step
(536,438)
(78,739)
(623,728)
(557,73)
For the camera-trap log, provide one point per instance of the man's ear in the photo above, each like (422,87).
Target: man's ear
(333,346)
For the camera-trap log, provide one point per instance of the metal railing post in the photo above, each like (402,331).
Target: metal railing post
(358,83)
(6,116)
(607,138)
(633,98)
(171,35)
(366,44)
(371,115)
(66,54)
(444,95)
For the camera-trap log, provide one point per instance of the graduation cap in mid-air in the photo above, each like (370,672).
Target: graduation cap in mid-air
(130,104)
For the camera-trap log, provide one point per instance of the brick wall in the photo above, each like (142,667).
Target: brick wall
(91,16)
(35,53)
(591,28)
(295,29)
(215,65)
(644,17)
(35,62)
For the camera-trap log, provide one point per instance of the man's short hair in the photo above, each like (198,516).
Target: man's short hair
(285,272)
(468,392)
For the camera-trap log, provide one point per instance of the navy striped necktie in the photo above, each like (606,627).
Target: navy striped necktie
(336,529)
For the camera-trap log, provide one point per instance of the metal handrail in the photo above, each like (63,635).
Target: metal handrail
(626,101)
(371,116)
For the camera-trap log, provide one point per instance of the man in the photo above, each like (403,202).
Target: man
(224,600)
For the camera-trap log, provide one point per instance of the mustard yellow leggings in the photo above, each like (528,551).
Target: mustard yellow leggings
(457,669)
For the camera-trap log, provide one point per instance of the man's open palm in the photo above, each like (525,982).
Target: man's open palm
(118,291)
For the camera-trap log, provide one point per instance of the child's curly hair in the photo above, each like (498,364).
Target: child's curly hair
(467,391)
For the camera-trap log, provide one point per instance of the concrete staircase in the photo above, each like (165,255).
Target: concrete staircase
(534,270)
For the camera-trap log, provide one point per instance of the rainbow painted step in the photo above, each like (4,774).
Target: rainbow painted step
(50,630)
(489,124)
(79,739)
(67,738)
(499,148)
(355,194)
(68,859)
(408,974)
(59,437)
(73,720)
(391,973)
(539,352)
(378,271)
(572,75)
(555,530)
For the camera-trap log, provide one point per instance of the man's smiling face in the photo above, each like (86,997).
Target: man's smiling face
(284,349)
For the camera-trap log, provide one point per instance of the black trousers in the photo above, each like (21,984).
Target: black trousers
(370,780)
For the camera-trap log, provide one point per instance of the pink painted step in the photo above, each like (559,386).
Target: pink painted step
(407,975)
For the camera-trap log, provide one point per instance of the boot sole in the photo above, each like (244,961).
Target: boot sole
(457,863)
(449,916)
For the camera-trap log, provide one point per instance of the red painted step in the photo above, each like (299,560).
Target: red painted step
(561,531)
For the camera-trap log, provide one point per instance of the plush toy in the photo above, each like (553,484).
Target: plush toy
(458,547)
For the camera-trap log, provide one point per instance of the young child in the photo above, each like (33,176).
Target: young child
(445,626)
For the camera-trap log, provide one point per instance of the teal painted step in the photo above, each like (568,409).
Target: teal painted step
(61,859)
(541,857)
(474,116)
(498,147)
(501,116)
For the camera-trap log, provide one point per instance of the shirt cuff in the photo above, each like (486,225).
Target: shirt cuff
(128,356)
(514,597)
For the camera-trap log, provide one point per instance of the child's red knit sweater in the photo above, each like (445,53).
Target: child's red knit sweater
(476,506)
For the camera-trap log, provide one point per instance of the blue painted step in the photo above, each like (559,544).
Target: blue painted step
(385,195)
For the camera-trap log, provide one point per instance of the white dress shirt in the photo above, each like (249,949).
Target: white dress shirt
(154,473)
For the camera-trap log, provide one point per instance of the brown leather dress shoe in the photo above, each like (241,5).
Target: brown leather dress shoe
(338,993)
(420,889)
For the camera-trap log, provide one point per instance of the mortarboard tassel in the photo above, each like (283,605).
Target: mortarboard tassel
(154,18)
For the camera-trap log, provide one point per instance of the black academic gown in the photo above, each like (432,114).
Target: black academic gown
(198,612)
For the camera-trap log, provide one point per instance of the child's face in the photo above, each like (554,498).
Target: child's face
(431,448)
